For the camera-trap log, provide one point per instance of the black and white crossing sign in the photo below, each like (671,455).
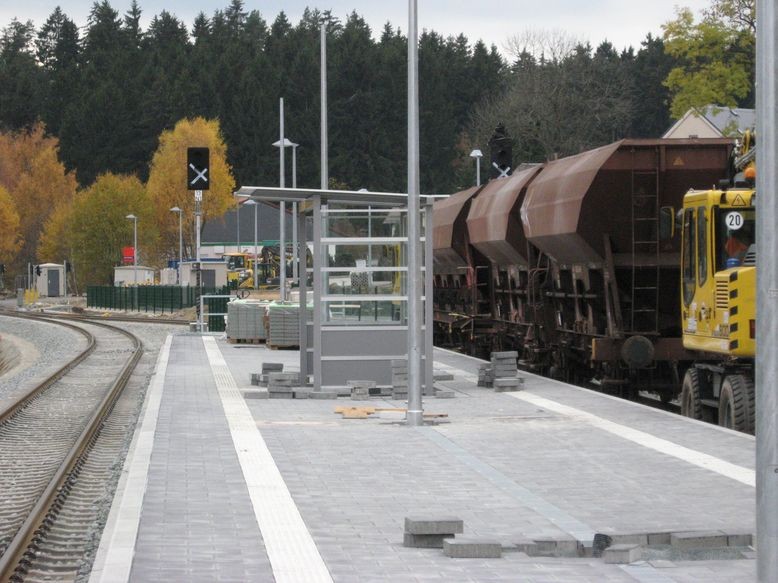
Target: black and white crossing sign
(502,172)
(197,168)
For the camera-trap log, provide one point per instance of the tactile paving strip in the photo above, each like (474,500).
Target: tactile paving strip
(290,547)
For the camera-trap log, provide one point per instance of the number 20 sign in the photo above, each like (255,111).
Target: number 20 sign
(734,221)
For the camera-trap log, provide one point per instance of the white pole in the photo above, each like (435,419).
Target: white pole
(477,171)
(237,221)
(180,242)
(282,212)
(256,254)
(767,294)
(135,245)
(415,413)
(198,217)
(325,178)
(198,198)
(295,251)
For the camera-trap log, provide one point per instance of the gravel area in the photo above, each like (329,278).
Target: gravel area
(55,345)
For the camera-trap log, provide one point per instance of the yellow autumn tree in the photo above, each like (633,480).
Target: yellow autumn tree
(10,238)
(167,185)
(98,227)
(54,244)
(37,182)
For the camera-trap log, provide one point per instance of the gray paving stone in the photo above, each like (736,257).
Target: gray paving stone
(424,541)
(659,538)
(698,539)
(445,394)
(739,539)
(323,395)
(353,484)
(433,525)
(255,394)
(621,554)
(472,548)
(196,507)
(634,539)
(556,547)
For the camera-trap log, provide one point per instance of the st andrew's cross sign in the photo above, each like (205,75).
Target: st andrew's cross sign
(197,169)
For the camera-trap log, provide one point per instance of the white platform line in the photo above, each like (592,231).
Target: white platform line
(117,545)
(738,473)
(290,547)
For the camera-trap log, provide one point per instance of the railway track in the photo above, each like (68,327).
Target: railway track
(110,318)
(59,445)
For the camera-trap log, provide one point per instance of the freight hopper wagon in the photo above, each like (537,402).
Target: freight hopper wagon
(583,267)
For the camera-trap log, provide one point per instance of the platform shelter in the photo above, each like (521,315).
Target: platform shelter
(357,282)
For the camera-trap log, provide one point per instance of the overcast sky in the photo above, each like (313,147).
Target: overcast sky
(622,22)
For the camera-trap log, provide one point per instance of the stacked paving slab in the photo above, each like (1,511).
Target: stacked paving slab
(485,376)
(399,379)
(283,385)
(246,320)
(422,532)
(360,390)
(283,324)
(261,379)
(505,371)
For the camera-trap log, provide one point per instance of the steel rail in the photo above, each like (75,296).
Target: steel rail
(9,410)
(99,318)
(13,561)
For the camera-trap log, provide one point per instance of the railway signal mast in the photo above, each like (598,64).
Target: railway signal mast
(197,179)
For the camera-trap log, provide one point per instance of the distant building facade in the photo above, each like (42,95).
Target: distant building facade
(713,121)
(225,235)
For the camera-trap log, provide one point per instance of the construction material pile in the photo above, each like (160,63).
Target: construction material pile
(283,325)
(246,320)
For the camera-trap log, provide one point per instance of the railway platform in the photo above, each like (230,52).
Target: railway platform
(220,487)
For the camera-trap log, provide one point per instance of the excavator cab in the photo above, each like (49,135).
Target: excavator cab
(718,272)
(718,305)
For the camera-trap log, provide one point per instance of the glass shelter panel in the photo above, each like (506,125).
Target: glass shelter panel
(364,272)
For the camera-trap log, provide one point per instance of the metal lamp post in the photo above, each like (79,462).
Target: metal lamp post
(134,220)
(477,154)
(295,251)
(281,144)
(256,254)
(414,416)
(175,209)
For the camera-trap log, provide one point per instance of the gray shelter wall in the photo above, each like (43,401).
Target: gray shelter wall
(223,230)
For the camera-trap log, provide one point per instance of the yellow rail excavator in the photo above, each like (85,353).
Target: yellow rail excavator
(240,267)
(718,297)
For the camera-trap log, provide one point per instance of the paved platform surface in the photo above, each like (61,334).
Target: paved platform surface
(285,490)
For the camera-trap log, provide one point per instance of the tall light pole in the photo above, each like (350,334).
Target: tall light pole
(477,154)
(767,297)
(134,220)
(414,416)
(175,209)
(325,179)
(256,254)
(282,211)
(282,144)
(295,251)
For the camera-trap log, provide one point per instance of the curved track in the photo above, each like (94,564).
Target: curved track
(52,458)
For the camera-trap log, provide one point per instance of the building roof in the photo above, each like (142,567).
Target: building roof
(359,198)
(730,121)
(725,121)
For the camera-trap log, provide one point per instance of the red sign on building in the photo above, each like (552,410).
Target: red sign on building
(128,255)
